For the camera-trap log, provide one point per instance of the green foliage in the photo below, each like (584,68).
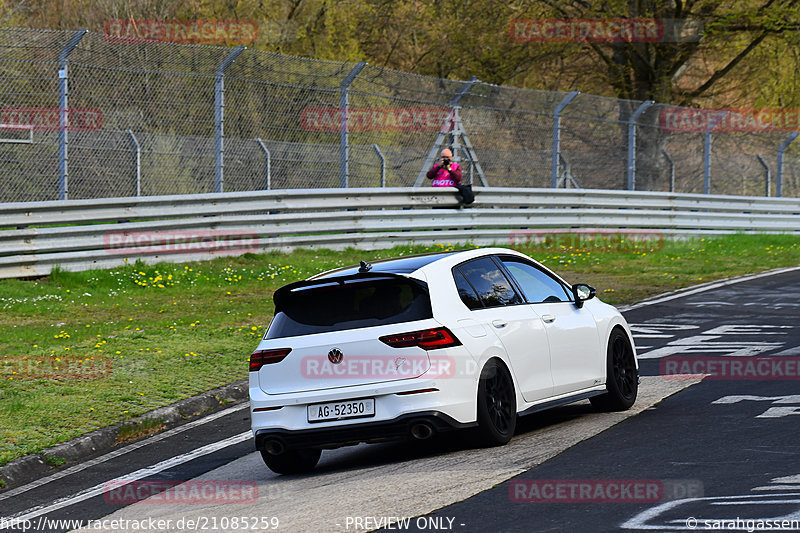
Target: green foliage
(54,461)
(744,48)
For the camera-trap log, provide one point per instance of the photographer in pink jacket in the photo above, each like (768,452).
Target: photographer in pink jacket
(445,173)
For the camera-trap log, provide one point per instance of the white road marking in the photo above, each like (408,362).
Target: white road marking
(641,521)
(704,288)
(794,350)
(122,451)
(694,521)
(741,329)
(707,344)
(713,341)
(133,476)
(783,483)
(736,398)
(772,412)
(780,412)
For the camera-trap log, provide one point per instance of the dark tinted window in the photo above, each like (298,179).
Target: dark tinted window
(465,291)
(536,285)
(490,283)
(358,303)
(400,265)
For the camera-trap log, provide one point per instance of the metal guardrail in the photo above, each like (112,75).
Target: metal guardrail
(102,233)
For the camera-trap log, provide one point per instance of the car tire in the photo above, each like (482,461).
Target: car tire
(297,461)
(622,378)
(497,405)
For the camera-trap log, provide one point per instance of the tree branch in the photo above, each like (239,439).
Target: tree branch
(727,68)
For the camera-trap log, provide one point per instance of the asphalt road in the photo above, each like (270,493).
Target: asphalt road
(720,449)
(722,455)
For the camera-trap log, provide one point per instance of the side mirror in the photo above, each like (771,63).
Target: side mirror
(582,292)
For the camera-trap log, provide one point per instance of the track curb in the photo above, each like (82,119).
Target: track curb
(30,467)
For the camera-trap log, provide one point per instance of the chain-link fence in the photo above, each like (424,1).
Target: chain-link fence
(83,117)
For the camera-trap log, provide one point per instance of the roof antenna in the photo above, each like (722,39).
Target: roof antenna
(365,267)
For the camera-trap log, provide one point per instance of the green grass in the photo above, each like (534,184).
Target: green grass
(80,351)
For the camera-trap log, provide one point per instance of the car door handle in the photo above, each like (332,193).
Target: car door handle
(499,323)
(548,318)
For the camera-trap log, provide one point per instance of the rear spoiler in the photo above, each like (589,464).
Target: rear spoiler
(280,296)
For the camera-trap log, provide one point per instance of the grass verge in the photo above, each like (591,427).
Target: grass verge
(80,351)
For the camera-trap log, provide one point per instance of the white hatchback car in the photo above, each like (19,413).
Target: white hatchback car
(413,346)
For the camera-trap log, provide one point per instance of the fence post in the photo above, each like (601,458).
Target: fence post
(632,143)
(767,175)
(267,170)
(219,117)
(383,164)
(784,145)
(344,139)
(671,164)
(63,103)
(557,134)
(137,161)
(707,152)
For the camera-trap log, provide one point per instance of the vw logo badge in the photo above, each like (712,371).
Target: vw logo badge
(335,356)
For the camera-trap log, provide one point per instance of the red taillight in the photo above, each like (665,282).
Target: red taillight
(427,339)
(260,358)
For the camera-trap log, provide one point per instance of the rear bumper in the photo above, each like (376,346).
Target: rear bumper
(333,437)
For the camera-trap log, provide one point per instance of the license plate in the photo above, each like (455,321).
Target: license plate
(321,412)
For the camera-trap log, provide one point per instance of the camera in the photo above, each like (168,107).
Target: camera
(445,161)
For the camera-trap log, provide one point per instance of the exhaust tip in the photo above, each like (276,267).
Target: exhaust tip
(421,431)
(274,447)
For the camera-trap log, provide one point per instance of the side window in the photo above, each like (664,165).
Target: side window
(465,290)
(536,286)
(489,282)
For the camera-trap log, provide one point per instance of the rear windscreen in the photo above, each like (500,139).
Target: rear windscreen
(357,303)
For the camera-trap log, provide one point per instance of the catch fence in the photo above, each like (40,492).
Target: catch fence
(84,116)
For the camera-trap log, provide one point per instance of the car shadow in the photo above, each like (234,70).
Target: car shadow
(387,453)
